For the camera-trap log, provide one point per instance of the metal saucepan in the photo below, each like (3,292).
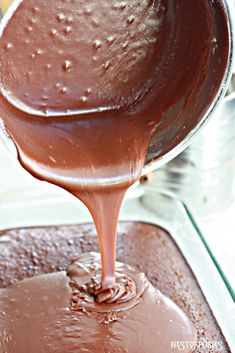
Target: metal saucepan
(179,125)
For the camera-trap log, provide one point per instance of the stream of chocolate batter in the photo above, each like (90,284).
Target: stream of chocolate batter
(83,86)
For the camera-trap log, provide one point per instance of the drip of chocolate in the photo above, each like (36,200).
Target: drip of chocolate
(88,291)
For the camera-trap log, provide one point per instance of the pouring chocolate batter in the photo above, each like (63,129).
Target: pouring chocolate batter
(83,86)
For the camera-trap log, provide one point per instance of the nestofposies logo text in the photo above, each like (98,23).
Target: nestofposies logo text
(204,345)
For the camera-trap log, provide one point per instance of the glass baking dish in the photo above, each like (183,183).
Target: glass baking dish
(52,206)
